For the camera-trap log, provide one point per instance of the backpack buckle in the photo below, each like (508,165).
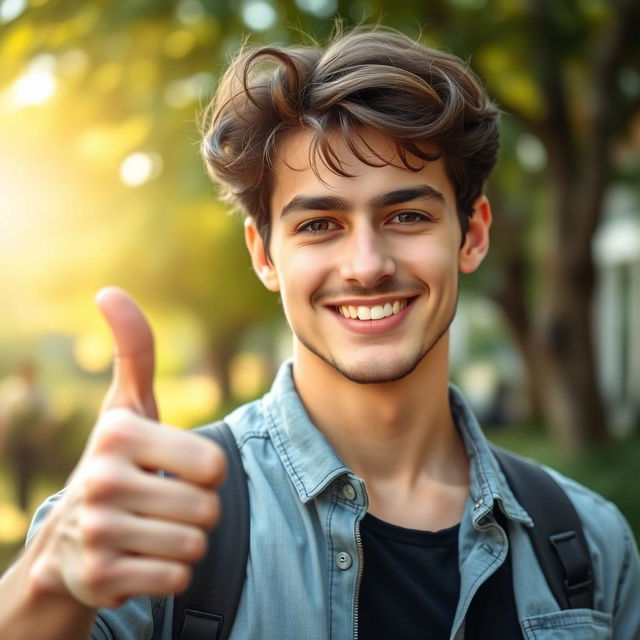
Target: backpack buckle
(578,579)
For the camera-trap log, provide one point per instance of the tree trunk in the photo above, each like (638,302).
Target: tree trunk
(512,300)
(558,349)
(570,391)
(555,334)
(220,354)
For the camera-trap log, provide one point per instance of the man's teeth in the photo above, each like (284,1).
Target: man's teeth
(372,313)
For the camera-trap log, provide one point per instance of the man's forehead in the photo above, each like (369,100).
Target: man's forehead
(300,150)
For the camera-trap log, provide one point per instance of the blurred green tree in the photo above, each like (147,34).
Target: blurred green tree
(559,70)
(116,152)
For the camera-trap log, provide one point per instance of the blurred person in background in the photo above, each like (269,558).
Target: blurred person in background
(378,509)
(25,428)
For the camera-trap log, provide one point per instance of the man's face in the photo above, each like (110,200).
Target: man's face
(366,266)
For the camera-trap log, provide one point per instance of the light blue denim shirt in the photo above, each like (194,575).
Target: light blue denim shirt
(305,559)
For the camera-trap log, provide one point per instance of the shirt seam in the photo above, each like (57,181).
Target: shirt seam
(624,569)
(330,511)
(250,435)
(103,628)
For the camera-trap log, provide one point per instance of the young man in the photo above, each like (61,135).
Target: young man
(377,508)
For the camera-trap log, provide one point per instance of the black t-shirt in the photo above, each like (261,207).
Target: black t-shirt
(410,581)
(411,585)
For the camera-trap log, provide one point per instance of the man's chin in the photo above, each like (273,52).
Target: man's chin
(375,374)
(370,371)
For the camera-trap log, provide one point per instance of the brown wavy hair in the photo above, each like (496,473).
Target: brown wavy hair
(429,102)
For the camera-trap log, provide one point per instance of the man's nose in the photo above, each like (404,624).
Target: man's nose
(367,260)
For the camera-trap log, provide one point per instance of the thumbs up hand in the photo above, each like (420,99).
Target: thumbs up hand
(120,529)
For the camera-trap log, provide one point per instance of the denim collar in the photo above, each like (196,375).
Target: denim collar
(309,459)
(488,486)
(312,464)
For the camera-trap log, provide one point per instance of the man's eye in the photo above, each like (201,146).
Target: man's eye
(319,225)
(410,217)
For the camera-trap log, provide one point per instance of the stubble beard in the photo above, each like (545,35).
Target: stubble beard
(374,374)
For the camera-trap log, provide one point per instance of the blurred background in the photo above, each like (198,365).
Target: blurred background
(101,183)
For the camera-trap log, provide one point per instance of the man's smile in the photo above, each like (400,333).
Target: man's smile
(372,312)
(376,317)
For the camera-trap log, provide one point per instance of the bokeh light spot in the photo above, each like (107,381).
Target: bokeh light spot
(93,352)
(319,8)
(249,374)
(531,153)
(189,12)
(140,167)
(179,43)
(183,92)
(73,62)
(258,15)
(11,9)
(37,84)
(13,524)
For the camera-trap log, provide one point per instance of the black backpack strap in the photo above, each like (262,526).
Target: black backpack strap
(557,536)
(207,609)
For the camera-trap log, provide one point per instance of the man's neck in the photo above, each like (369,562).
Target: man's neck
(399,436)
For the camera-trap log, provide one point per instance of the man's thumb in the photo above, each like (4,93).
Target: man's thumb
(134,360)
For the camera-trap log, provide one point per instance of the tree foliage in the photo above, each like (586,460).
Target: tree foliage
(85,87)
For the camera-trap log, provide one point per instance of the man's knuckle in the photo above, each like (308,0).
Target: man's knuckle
(96,572)
(208,510)
(194,544)
(214,464)
(103,483)
(177,577)
(116,430)
(97,529)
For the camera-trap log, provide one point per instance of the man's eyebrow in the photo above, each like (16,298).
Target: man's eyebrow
(315,203)
(419,192)
(335,203)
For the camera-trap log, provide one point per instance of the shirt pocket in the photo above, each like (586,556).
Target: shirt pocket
(568,625)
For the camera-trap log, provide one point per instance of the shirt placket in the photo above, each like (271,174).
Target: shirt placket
(348,504)
(488,551)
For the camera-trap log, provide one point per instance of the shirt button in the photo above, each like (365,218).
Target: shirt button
(349,492)
(343,560)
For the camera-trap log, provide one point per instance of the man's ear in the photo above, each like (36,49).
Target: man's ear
(476,242)
(262,265)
